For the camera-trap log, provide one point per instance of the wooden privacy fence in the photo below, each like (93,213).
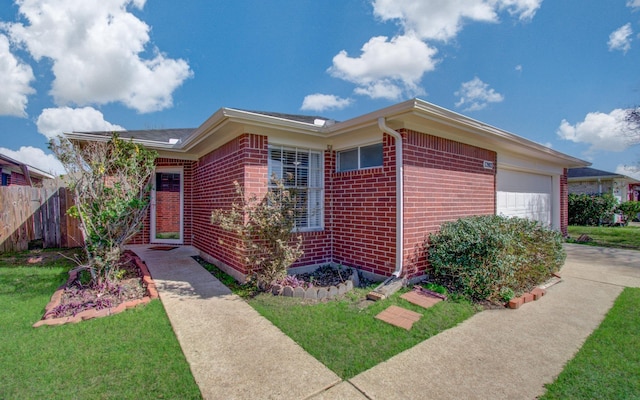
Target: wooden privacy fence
(32,215)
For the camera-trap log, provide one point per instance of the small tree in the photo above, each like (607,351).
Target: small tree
(629,211)
(111,183)
(265,227)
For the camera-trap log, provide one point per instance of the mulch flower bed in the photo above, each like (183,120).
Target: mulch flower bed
(74,302)
(324,283)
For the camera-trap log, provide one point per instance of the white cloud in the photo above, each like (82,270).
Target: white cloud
(322,102)
(607,132)
(476,95)
(15,81)
(386,68)
(620,39)
(525,10)
(518,68)
(628,170)
(35,157)
(95,47)
(55,121)
(633,4)
(391,69)
(443,19)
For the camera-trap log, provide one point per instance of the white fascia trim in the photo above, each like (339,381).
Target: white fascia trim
(447,117)
(598,178)
(152,144)
(230,115)
(38,173)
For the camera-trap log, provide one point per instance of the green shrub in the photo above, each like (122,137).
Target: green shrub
(487,257)
(591,209)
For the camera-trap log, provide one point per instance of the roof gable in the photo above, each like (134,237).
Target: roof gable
(227,123)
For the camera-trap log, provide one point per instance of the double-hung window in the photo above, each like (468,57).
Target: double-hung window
(302,171)
(360,157)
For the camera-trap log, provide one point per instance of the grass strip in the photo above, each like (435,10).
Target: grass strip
(346,337)
(625,237)
(132,355)
(608,364)
(343,333)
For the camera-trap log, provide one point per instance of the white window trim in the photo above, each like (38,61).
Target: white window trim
(359,168)
(319,189)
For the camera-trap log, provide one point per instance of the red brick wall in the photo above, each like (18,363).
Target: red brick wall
(564,203)
(17,179)
(361,214)
(443,181)
(244,160)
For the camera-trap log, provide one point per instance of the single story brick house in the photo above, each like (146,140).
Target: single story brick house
(374,186)
(596,181)
(16,173)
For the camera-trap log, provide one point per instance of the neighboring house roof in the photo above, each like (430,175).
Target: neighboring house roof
(28,171)
(225,124)
(584,174)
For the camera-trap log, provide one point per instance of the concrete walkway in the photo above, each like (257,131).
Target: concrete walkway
(497,354)
(233,352)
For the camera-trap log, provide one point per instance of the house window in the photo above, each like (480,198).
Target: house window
(6,179)
(166,182)
(302,170)
(360,157)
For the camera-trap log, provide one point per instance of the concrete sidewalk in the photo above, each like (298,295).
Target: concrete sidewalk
(234,353)
(510,354)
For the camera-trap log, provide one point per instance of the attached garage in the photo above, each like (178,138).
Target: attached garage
(525,195)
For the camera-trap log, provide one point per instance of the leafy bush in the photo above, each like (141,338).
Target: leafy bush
(265,227)
(629,211)
(489,257)
(591,209)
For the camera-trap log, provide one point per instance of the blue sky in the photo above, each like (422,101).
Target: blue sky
(560,73)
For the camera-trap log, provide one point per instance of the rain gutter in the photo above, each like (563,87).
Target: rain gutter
(399,196)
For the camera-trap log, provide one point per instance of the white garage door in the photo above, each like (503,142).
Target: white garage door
(525,195)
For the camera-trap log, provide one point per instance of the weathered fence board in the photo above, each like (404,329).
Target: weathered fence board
(36,214)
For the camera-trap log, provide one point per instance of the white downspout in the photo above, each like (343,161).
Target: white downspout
(399,195)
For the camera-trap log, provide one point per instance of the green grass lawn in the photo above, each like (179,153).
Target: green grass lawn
(627,237)
(132,355)
(608,364)
(342,334)
(347,338)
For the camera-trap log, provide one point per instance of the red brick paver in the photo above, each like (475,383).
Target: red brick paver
(399,316)
(420,299)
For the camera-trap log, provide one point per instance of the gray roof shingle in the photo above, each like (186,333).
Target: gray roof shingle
(156,135)
(589,173)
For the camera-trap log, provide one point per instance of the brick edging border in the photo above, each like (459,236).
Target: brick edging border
(315,292)
(152,293)
(534,294)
